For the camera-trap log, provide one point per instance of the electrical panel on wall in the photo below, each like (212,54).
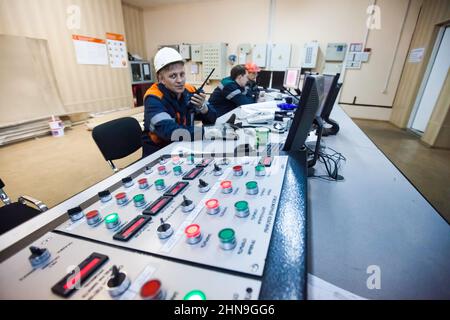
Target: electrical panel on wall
(185,51)
(259,55)
(196,53)
(215,56)
(243,50)
(336,52)
(309,55)
(280,57)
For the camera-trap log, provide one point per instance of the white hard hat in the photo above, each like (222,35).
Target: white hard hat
(166,56)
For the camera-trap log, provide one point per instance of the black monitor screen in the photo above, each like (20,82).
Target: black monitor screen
(263,79)
(277,80)
(310,102)
(328,83)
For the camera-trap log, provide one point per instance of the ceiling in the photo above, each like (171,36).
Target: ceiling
(153,3)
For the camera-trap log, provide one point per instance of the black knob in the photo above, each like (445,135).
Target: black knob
(126,180)
(74,211)
(164,226)
(117,278)
(103,194)
(216,167)
(186,202)
(202,183)
(36,252)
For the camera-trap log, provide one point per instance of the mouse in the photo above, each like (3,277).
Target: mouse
(244,148)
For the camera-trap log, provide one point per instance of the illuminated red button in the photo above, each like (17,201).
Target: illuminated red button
(152,290)
(226,186)
(212,206)
(237,170)
(193,233)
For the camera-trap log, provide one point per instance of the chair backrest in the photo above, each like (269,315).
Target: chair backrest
(118,138)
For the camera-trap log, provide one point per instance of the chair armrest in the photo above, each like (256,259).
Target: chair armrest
(39,204)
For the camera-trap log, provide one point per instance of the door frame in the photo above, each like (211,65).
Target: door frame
(426,76)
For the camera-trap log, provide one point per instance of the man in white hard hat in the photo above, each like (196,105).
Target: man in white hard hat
(172,104)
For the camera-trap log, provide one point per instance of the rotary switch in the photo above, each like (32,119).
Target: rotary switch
(118,283)
(38,256)
(203,186)
(187,205)
(164,230)
(217,170)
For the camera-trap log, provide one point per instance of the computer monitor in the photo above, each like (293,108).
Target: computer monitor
(292,78)
(329,83)
(310,101)
(263,79)
(277,80)
(331,98)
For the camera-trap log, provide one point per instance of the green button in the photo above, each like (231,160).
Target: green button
(112,218)
(138,198)
(251,185)
(177,169)
(241,205)
(159,182)
(226,235)
(260,167)
(195,295)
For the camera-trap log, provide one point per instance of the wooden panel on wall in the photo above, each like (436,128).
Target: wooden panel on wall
(437,133)
(134,29)
(433,12)
(82,87)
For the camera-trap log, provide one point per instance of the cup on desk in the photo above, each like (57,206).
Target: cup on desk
(262,136)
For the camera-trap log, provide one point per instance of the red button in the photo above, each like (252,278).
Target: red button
(192,231)
(142,181)
(121,195)
(237,168)
(92,214)
(161,168)
(225,184)
(212,204)
(151,289)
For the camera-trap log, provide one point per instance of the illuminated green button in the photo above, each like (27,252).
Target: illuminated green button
(195,295)
(112,220)
(226,235)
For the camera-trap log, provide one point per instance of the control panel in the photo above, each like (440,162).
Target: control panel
(214,56)
(216,212)
(61,267)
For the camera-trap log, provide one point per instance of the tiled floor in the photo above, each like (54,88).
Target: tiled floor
(428,169)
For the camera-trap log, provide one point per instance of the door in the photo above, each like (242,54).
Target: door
(427,100)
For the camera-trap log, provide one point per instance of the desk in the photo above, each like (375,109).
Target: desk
(375,217)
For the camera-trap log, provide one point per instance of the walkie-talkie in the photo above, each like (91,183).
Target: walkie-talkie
(204,82)
(199,90)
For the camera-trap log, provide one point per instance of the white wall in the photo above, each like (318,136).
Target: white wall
(296,22)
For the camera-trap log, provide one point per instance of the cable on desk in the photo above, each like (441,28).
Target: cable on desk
(332,162)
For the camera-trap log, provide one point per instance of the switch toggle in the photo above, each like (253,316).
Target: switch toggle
(164,230)
(187,205)
(38,256)
(217,170)
(203,186)
(118,283)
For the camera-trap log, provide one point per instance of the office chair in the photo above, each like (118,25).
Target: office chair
(117,139)
(13,214)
